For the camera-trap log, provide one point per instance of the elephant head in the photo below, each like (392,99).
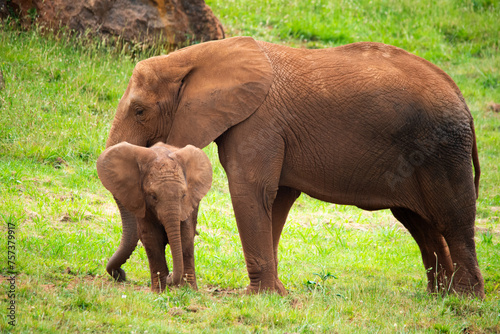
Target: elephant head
(159,188)
(193,95)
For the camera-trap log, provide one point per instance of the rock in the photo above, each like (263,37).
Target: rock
(202,20)
(150,21)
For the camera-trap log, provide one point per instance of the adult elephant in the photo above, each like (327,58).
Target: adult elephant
(364,124)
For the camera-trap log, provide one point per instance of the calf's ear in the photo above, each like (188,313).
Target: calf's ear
(119,170)
(198,171)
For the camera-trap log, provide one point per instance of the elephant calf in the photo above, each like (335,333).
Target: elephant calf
(158,190)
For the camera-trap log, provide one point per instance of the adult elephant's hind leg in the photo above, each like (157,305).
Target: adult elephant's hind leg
(459,235)
(435,252)
(281,207)
(454,212)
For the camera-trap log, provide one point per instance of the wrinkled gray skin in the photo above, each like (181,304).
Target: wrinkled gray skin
(158,190)
(364,124)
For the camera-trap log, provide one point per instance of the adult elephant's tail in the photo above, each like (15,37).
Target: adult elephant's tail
(475,160)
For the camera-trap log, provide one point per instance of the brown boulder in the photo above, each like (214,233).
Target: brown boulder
(173,21)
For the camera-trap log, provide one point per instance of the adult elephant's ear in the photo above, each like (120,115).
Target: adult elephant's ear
(119,171)
(227,81)
(198,171)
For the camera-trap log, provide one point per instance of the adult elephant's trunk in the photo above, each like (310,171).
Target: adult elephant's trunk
(127,244)
(172,226)
(119,132)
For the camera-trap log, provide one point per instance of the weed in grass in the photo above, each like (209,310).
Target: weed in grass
(389,233)
(486,238)
(338,234)
(175,299)
(320,285)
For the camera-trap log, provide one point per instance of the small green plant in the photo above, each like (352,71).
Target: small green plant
(486,238)
(32,13)
(338,233)
(323,276)
(441,328)
(389,233)
(172,297)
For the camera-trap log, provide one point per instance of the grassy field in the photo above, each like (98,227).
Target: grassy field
(346,270)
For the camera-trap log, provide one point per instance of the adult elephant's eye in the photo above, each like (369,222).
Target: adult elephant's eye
(153,197)
(139,112)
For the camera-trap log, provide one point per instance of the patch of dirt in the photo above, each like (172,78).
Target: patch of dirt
(4,278)
(492,106)
(73,282)
(107,281)
(297,304)
(369,221)
(490,224)
(218,291)
(484,228)
(104,282)
(357,220)
(110,209)
(65,219)
(194,308)
(176,311)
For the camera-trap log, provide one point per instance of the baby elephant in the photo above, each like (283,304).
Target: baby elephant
(161,186)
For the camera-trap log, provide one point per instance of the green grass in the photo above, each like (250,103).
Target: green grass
(346,270)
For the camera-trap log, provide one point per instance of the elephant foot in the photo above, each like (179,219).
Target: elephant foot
(185,280)
(450,287)
(461,290)
(467,289)
(191,280)
(471,285)
(260,287)
(118,274)
(158,283)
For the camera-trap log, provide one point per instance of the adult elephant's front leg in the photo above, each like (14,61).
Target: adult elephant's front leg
(255,229)
(253,184)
